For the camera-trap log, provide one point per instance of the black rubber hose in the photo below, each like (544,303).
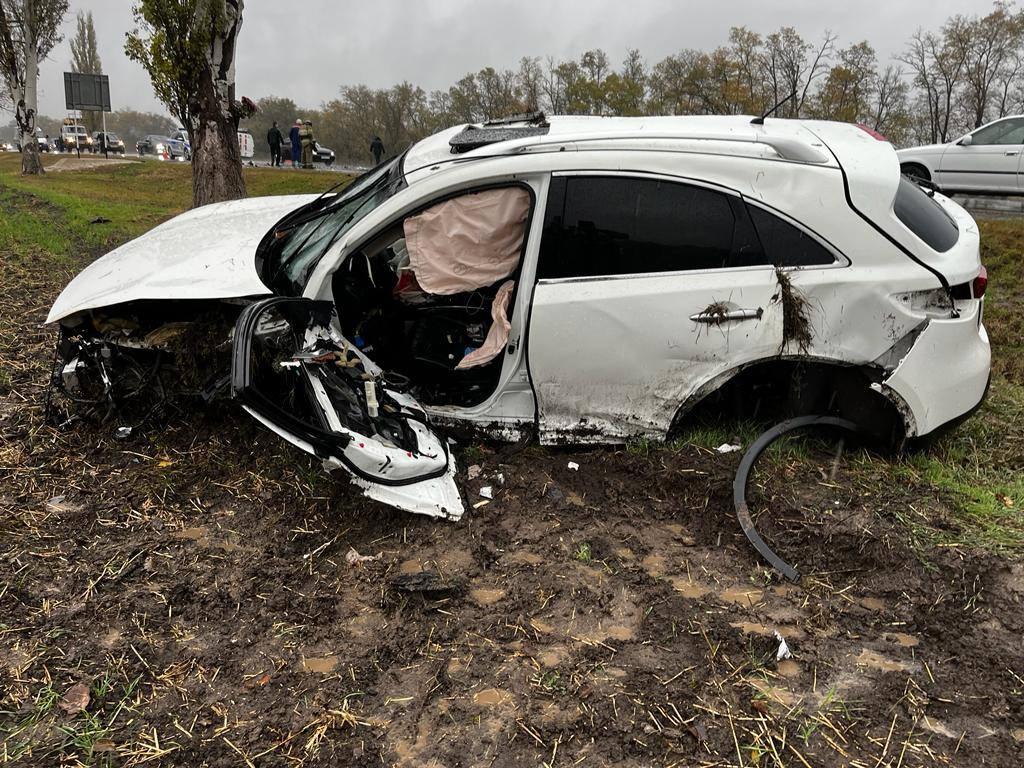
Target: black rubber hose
(739,486)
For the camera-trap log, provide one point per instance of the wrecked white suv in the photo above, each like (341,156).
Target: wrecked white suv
(584,279)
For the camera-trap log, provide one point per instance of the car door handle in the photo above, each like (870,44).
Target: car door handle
(713,316)
(1013,152)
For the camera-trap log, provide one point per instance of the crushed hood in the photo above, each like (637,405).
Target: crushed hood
(205,253)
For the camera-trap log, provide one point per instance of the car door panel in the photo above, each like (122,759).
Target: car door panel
(294,373)
(612,359)
(989,162)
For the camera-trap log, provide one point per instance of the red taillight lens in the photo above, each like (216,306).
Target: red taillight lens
(980,283)
(871,132)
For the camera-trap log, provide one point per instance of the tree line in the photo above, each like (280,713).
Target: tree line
(943,83)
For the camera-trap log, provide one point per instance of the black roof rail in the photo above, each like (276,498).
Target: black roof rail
(500,129)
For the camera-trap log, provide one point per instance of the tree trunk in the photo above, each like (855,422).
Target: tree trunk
(216,161)
(26,116)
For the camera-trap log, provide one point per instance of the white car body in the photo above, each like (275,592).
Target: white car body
(988,159)
(609,357)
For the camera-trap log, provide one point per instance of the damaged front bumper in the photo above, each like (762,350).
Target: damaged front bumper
(945,373)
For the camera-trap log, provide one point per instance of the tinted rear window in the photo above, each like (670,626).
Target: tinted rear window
(924,217)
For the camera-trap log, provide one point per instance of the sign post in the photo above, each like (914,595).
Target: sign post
(88,93)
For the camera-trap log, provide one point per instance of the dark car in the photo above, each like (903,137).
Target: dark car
(163,147)
(113,142)
(321,154)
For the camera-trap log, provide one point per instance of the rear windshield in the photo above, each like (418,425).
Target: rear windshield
(924,217)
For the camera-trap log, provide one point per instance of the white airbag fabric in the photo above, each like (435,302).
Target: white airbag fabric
(497,334)
(468,242)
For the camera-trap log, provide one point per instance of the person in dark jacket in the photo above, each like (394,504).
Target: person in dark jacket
(275,139)
(293,137)
(377,148)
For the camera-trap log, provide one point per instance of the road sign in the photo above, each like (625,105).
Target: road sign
(88,92)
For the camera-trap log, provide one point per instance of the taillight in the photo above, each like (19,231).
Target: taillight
(871,132)
(980,283)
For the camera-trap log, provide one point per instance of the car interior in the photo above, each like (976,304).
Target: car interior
(430,299)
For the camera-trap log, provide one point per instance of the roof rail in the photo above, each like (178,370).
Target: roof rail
(787,147)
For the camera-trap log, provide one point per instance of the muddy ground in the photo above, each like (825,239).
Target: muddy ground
(185,597)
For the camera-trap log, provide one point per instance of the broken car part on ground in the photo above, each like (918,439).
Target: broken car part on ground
(581,279)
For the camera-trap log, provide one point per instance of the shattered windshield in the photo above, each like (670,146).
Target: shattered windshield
(295,245)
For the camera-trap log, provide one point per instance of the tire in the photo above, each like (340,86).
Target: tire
(915,171)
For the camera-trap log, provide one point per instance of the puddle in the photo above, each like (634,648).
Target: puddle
(542,626)
(486,596)
(619,632)
(553,656)
(690,589)
(902,639)
(192,534)
(937,727)
(875,660)
(321,665)
(788,668)
(775,693)
(654,565)
(410,566)
(748,596)
(491,697)
(757,628)
(871,603)
(525,558)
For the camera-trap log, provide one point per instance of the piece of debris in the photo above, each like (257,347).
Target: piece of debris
(352,557)
(76,699)
(783,651)
(739,486)
(487,492)
(483,503)
(100,220)
(424,582)
(499,478)
(729,448)
(574,466)
(474,471)
(796,325)
(59,504)
(122,432)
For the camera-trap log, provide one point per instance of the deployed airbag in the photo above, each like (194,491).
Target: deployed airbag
(497,334)
(468,242)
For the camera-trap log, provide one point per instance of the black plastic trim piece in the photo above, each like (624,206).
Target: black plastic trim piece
(739,486)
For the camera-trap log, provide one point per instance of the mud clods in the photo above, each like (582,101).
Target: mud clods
(796,324)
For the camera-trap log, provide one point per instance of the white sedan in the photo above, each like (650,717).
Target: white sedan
(987,159)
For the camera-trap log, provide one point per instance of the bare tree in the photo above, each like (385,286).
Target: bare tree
(28,31)
(993,44)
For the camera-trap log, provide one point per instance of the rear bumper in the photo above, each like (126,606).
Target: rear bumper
(945,374)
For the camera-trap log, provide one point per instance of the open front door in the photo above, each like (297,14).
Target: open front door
(299,377)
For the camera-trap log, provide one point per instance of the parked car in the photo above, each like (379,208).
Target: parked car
(584,279)
(8,146)
(163,147)
(321,154)
(988,159)
(114,143)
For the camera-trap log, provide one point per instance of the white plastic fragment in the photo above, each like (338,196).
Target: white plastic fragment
(499,478)
(474,471)
(574,466)
(354,558)
(783,652)
(729,448)
(487,492)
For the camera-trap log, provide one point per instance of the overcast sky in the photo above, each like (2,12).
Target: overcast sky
(306,50)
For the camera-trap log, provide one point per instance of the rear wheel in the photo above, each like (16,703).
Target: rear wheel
(915,171)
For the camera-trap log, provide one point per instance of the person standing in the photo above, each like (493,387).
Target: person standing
(306,137)
(275,139)
(377,148)
(296,143)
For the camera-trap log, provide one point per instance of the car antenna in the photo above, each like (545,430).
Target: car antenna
(770,112)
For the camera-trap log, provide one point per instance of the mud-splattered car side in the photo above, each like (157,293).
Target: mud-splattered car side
(584,279)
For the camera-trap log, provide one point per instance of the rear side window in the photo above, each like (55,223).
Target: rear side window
(924,217)
(606,226)
(786,245)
